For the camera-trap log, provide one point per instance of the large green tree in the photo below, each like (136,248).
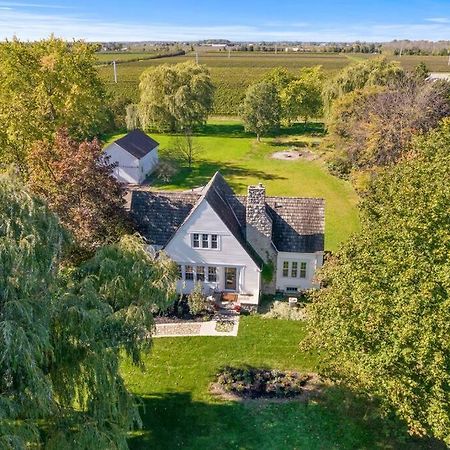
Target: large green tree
(372,72)
(45,85)
(175,97)
(383,314)
(302,96)
(62,330)
(260,111)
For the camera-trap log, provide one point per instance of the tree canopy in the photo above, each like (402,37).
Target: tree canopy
(45,85)
(383,315)
(76,181)
(373,127)
(261,108)
(62,330)
(175,97)
(372,72)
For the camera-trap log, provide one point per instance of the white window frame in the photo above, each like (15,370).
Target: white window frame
(200,241)
(215,274)
(186,272)
(285,269)
(301,269)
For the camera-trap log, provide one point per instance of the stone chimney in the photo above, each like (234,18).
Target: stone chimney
(259,225)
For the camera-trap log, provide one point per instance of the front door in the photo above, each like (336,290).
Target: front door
(230,278)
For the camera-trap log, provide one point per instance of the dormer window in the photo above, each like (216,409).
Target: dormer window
(205,241)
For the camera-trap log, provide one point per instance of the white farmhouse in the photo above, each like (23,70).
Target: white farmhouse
(235,244)
(135,155)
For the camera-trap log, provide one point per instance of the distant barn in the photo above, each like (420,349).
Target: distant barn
(136,156)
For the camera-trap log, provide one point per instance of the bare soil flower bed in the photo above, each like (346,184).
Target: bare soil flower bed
(252,383)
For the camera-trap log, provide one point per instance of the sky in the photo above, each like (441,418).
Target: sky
(243,20)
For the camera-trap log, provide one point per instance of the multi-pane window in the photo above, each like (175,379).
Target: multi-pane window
(285,268)
(204,240)
(212,274)
(180,272)
(303,270)
(195,240)
(188,273)
(294,269)
(200,271)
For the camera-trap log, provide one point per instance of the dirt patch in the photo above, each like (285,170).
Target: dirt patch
(293,155)
(313,389)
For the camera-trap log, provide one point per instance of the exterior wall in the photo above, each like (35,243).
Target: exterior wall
(127,170)
(313,260)
(148,164)
(130,169)
(229,254)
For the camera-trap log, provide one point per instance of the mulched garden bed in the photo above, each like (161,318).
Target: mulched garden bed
(250,383)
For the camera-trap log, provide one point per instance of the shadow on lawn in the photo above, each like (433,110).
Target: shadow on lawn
(202,172)
(174,420)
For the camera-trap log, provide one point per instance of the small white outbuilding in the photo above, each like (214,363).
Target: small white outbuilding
(135,156)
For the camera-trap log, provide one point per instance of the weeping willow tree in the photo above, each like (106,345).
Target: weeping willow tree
(61,331)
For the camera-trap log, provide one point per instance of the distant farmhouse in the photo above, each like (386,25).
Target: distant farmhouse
(235,245)
(136,157)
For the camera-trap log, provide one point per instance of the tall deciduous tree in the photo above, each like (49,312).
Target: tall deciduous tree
(373,72)
(383,315)
(261,109)
(45,85)
(175,97)
(374,127)
(302,96)
(62,332)
(76,181)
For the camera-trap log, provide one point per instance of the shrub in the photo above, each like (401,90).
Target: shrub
(166,170)
(253,382)
(282,310)
(224,326)
(197,301)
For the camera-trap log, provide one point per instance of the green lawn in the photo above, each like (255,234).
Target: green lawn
(243,161)
(178,411)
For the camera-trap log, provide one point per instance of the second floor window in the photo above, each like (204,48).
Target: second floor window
(205,240)
(195,240)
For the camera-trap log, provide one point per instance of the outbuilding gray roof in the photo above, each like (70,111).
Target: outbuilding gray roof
(298,223)
(137,143)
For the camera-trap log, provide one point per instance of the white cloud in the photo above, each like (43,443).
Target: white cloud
(32,25)
(438,19)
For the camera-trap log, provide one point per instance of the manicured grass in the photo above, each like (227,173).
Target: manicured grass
(243,161)
(178,411)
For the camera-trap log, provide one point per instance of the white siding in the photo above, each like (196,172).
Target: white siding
(148,164)
(230,253)
(127,169)
(313,262)
(131,169)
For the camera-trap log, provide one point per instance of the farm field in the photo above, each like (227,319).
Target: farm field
(232,76)
(243,161)
(179,412)
(108,57)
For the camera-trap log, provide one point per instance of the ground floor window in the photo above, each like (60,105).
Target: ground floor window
(294,269)
(200,271)
(188,273)
(212,274)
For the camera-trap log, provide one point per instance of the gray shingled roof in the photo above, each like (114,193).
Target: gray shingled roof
(298,223)
(158,215)
(137,143)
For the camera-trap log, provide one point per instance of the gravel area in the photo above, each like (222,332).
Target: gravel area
(178,329)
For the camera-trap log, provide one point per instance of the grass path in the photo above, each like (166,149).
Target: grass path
(227,148)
